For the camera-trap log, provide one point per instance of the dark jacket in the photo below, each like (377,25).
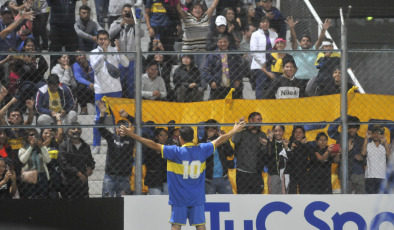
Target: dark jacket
(156,168)
(275,162)
(73,160)
(119,161)
(278,22)
(184,77)
(213,68)
(35,72)
(62,13)
(225,150)
(297,164)
(42,99)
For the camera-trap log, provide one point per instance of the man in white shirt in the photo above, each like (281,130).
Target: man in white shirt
(106,75)
(263,39)
(153,86)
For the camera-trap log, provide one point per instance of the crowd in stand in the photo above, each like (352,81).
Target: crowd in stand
(57,162)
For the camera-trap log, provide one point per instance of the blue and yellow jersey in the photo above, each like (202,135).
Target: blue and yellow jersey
(186,172)
(158,13)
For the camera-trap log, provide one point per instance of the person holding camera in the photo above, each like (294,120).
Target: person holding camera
(377,152)
(123,30)
(35,157)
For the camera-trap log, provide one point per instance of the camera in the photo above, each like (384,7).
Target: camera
(128,15)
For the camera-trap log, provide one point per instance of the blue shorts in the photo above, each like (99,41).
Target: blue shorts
(195,214)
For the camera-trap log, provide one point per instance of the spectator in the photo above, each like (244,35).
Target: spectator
(333,86)
(286,86)
(187,81)
(248,17)
(84,77)
(15,135)
(119,161)
(41,11)
(233,24)
(159,24)
(223,72)
(273,66)
(106,75)
(52,138)
(5,149)
(305,60)
(261,40)
(249,146)
(63,70)
(247,57)
(62,32)
(86,29)
(123,30)
(196,30)
(76,165)
(35,65)
(356,162)
(377,152)
(220,29)
(156,167)
(35,157)
(276,19)
(102,7)
(164,64)
(8,186)
(320,170)
(52,99)
(235,5)
(297,165)
(115,9)
(15,77)
(153,86)
(8,28)
(217,165)
(326,62)
(278,150)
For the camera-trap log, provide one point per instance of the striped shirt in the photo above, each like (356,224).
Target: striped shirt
(195,33)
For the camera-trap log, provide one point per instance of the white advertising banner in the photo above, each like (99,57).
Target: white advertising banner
(277,212)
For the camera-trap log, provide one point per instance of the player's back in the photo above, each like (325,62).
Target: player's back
(186,173)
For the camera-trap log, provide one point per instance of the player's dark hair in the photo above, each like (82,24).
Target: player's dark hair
(187,133)
(288,60)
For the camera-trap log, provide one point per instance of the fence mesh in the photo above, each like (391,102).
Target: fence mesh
(63,140)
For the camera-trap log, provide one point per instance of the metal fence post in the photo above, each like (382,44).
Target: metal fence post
(138,106)
(344,81)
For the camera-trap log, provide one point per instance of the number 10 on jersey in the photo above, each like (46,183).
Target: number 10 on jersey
(192,169)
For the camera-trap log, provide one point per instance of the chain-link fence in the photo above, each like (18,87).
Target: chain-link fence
(64,140)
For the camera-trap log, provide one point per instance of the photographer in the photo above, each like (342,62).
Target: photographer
(122,29)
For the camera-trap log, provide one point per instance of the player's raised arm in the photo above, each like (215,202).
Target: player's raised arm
(149,143)
(238,127)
